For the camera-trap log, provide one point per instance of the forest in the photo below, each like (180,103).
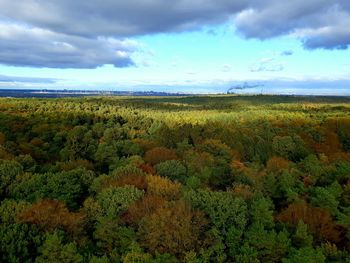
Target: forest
(194,179)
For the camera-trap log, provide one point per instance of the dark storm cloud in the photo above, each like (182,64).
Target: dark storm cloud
(90,33)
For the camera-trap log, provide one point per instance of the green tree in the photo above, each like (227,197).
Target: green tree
(55,250)
(110,235)
(290,147)
(18,242)
(70,187)
(270,245)
(27,162)
(80,144)
(305,255)
(9,209)
(261,212)
(312,165)
(103,259)
(8,172)
(327,197)
(301,237)
(114,201)
(172,169)
(223,209)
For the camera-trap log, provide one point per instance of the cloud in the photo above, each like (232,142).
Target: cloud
(191,72)
(14,79)
(319,23)
(336,87)
(266,64)
(287,53)
(92,33)
(119,18)
(36,47)
(226,68)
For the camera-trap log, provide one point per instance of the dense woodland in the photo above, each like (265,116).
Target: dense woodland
(242,179)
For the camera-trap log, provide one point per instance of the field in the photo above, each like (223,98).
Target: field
(175,179)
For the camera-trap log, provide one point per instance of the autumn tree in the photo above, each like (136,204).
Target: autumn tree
(174,229)
(163,187)
(136,180)
(275,164)
(159,154)
(51,214)
(318,220)
(2,138)
(143,207)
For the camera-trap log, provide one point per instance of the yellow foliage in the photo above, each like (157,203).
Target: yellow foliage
(163,187)
(276,164)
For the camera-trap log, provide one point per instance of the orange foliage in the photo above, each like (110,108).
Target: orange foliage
(5,155)
(307,180)
(15,127)
(163,187)
(2,138)
(37,142)
(144,207)
(41,128)
(331,145)
(145,144)
(276,164)
(235,154)
(242,190)
(198,160)
(26,148)
(147,168)
(340,156)
(71,165)
(319,221)
(159,154)
(53,214)
(137,180)
(237,166)
(175,229)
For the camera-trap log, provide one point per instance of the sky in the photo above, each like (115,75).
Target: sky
(191,46)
